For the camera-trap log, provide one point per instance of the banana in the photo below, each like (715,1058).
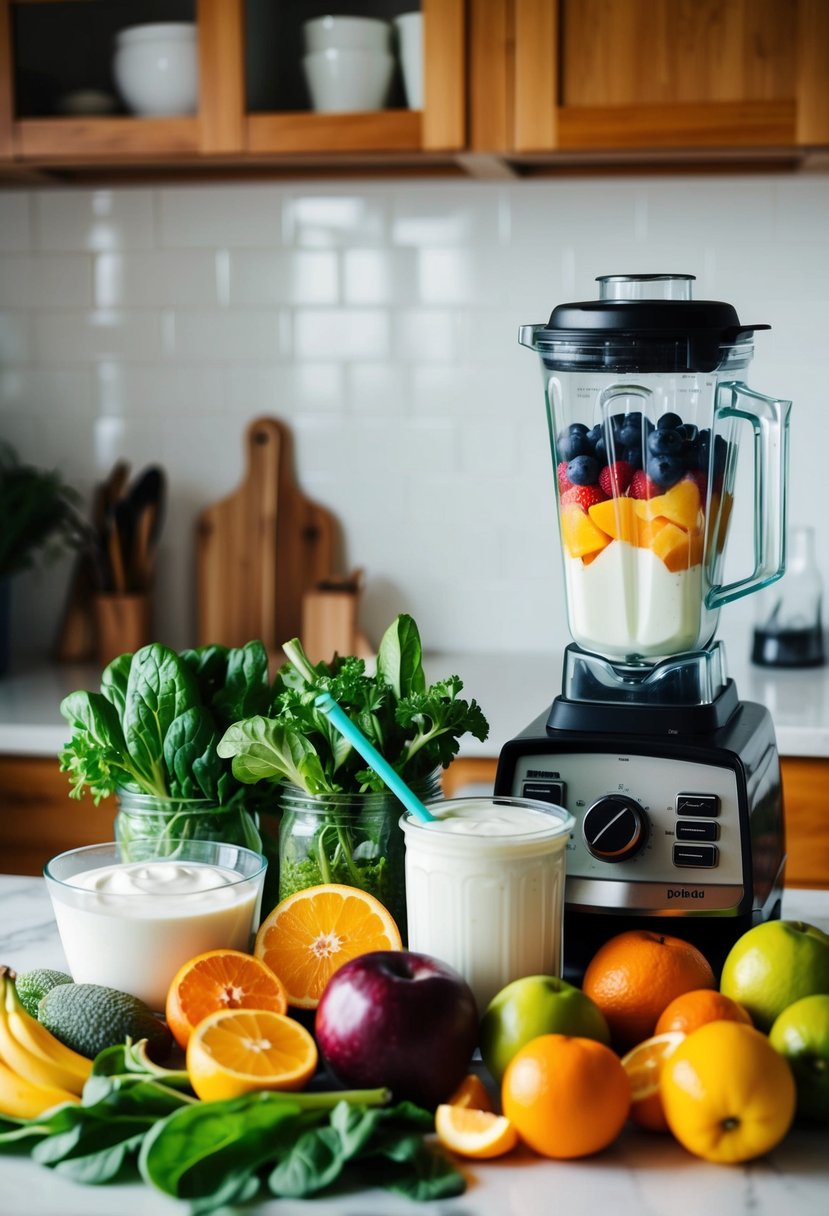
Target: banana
(49,1062)
(23,1100)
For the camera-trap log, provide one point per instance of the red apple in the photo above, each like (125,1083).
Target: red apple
(398,1019)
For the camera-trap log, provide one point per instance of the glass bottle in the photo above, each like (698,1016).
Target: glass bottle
(354,839)
(788,629)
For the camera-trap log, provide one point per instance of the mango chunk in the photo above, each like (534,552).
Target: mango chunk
(578,532)
(678,549)
(617,517)
(719,516)
(680,505)
(648,529)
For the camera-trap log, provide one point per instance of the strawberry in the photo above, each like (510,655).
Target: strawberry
(615,478)
(564,482)
(583,496)
(641,486)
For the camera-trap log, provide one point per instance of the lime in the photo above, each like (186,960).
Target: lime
(775,964)
(32,986)
(90,1017)
(801,1034)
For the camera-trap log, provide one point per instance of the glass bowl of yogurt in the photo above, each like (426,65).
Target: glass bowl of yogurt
(130,924)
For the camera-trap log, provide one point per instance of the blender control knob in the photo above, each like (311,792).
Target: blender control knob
(615,828)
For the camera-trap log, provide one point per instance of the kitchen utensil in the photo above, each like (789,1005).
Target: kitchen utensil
(260,549)
(156,68)
(142,507)
(372,757)
(675,783)
(329,619)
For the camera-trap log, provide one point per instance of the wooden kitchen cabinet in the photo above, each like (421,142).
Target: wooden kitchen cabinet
(599,79)
(225,133)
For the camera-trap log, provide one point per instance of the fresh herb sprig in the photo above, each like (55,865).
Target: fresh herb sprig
(416,727)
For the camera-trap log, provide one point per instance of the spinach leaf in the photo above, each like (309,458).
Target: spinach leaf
(160,687)
(400,657)
(114,680)
(263,748)
(246,691)
(209,665)
(190,755)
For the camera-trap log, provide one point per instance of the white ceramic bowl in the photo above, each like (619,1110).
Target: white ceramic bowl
(346,33)
(409,30)
(347,81)
(156,68)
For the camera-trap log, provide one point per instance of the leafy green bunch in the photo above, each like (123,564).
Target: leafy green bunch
(38,514)
(415,727)
(155,724)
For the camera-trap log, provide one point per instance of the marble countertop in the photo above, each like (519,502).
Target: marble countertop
(640,1175)
(512,689)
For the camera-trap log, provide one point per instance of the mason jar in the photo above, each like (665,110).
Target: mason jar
(353,839)
(171,820)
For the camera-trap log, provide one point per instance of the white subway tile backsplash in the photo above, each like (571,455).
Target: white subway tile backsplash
(94,220)
(169,279)
(284,277)
(236,216)
(86,337)
(15,221)
(380,321)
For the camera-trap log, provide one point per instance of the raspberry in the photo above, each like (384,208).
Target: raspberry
(564,482)
(641,486)
(615,478)
(583,496)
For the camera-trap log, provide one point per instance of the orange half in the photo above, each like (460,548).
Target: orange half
(312,933)
(643,1066)
(220,979)
(474,1133)
(234,1052)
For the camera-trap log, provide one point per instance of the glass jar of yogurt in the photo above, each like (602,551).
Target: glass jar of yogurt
(485,888)
(355,839)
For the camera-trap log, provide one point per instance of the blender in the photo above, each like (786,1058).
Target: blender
(674,782)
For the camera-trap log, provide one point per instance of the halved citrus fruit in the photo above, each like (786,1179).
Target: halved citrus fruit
(232,1052)
(643,1066)
(220,979)
(312,933)
(471,1093)
(474,1133)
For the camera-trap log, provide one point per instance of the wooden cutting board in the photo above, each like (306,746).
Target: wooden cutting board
(260,549)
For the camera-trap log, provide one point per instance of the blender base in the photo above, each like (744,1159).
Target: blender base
(677,833)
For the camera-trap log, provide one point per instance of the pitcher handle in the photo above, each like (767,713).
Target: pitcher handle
(769,418)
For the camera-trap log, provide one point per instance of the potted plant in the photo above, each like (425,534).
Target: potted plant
(38,521)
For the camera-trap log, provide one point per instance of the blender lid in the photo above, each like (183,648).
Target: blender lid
(645,310)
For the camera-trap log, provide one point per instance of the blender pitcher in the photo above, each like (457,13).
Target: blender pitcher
(645,398)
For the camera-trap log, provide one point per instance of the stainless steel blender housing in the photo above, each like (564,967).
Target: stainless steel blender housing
(674,783)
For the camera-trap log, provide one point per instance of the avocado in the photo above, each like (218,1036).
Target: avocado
(90,1017)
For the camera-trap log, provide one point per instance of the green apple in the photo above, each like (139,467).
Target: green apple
(775,964)
(529,1007)
(801,1034)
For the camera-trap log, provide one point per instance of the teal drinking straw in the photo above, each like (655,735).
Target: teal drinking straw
(370,754)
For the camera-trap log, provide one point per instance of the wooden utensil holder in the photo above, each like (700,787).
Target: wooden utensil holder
(124,624)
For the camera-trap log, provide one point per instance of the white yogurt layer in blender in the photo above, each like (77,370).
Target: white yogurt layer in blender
(627,602)
(132,925)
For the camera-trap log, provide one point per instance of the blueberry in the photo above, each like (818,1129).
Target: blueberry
(583,471)
(669,422)
(665,471)
(633,456)
(664,443)
(600,453)
(595,435)
(572,443)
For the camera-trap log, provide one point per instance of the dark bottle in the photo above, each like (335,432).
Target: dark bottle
(789,628)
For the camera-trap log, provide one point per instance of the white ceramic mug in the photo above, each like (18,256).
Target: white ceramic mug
(409,27)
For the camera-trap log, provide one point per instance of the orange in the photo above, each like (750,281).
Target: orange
(643,1066)
(728,1096)
(310,934)
(471,1093)
(566,1096)
(220,979)
(693,1009)
(634,975)
(474,1133)
(232,1052)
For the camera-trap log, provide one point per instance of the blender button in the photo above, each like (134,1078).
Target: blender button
(545,791)
(706,806)
(696,829)
(703,856)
